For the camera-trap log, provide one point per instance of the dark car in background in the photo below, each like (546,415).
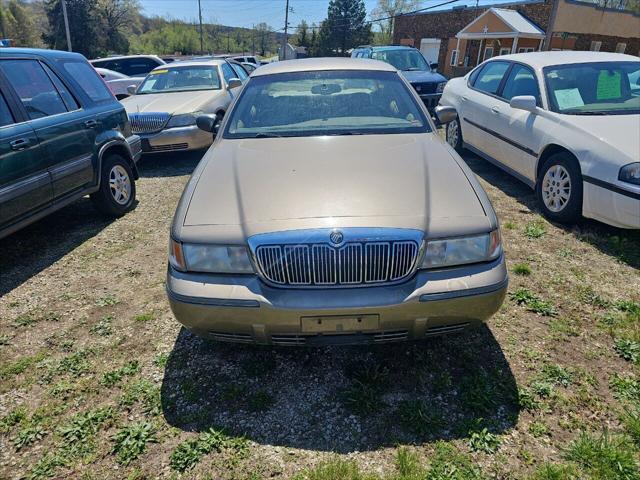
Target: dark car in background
(412,65)
(63,135)
(129,65)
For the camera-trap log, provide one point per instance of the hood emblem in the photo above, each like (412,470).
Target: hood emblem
(336,237)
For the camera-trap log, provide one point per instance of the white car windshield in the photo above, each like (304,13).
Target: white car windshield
(181,79)
(602,88)
(325,103)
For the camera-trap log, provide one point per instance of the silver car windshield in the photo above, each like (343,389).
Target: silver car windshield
(180,79)
(405,59)
(325,103)
(602,88)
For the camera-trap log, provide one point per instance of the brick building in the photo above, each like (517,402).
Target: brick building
(460,38)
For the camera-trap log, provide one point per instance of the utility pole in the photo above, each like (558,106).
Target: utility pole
(286,26)
(200,15)
(66,24)
(253,39)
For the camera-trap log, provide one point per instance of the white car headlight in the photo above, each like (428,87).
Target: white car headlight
(462,250)
(630,173)
(183,120)
(441,86)
(209,258)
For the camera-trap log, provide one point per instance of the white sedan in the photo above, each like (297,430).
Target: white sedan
(118,82)
(565,123)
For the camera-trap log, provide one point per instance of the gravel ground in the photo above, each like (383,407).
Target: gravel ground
(97,379)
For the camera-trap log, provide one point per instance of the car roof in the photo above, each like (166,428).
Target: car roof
(385,47)
(319,64)
(543,59)
(121,57)
(192,63)
(45,53)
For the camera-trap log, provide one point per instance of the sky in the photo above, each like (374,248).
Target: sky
(245,13)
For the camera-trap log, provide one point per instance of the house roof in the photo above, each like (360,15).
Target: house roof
(511,24)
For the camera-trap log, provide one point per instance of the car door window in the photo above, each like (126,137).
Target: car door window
(240,72)
(89,81)
(490,77)
(68,99)
(521,81)
(34,88)
(5,114)
(138,66)
(228,73)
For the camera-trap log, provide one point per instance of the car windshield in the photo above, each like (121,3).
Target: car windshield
(602,88)
(181,79)
(325,103)
(405,59)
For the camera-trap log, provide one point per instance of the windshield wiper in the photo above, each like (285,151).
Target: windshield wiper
(589,112)
(267,135)
(412,69)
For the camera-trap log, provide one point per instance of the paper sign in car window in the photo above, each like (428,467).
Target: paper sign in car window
(156,72)
(569,98)
(608,85)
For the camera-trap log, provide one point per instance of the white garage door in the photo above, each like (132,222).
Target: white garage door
(430,48)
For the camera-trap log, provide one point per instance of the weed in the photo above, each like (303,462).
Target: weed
(13,418)
(554,373)
(103,328)
(534,230)
(80,431)
(335,469)
(161,360)
(75,364)
(407,463)
(19,366)
(625,387)
(419,417)
(604,457)
(46,467)
(260,401)
(144,317)
(538,429)
(509,225)
(532,302)
(5,340)
(565,252)
(550,471)
(27,436)
(113,377)
(361,398)
(562,327)
(587,295)
(527,400)
(483,441)
(522,269)
(448,463)
(477,392)
(631,421)
(188,453)
(108,300)
(144,392)
(628,306)
(25,320)
(628,349)
(131,441)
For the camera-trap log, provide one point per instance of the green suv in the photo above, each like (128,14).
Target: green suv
(63,135)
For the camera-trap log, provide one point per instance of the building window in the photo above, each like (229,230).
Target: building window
(488,53)
(595,46)
(526,49)
(505,51)
(454,58)
(621,47)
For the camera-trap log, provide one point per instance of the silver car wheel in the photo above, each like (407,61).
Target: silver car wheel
(453,133)
(556,188)
(119,184)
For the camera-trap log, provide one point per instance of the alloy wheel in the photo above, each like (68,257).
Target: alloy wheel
(453,133)
(556,188)
(119,184)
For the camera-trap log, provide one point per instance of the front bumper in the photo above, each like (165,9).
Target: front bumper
(135,147)
(176,139)
(430,100)
(618,208)
(244,309)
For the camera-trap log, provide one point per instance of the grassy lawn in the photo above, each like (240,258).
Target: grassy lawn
(98,381)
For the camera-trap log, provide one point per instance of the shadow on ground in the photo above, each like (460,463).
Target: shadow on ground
(342,399)
(29,251)
(622,244)
(173,164)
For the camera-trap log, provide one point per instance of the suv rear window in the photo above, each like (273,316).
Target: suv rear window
(89,80)
(5,115)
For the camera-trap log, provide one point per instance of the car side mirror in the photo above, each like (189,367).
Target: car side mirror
(131,89)
(234,83)
(445,114)
(434,65)
(524,102)
(208,123)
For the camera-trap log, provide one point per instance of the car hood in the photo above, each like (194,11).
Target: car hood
(270,184)
(176,102)
(422,76)
(619,132)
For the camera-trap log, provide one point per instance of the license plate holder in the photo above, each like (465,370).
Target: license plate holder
(340,323)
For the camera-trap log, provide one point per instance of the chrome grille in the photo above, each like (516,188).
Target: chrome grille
(148,122)
(352,264)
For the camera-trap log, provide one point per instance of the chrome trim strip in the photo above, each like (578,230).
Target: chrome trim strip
(212,302)
(469,292)
(22,187)
(610,186)
(69,168)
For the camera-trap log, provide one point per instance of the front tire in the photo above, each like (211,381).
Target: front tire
(454,134)
(559,188)
(117,192)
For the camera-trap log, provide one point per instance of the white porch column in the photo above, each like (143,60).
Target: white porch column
(479,51)
(541,42)
(458,54)
(514,47)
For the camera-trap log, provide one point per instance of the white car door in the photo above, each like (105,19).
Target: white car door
(518,134)
(477,101)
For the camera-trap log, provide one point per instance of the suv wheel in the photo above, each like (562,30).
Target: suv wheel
(117,191)
(559,188)
(454,134)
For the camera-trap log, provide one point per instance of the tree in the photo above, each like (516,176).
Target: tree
(345,27)
(84,27)
(263,31)
(118,19)
(16,23)
(302,35)
(391,8)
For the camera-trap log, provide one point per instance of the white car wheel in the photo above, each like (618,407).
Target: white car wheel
(453,134)
(556,188)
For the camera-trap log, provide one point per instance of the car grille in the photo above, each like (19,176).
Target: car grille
(425,87)
(353,263)
(169,147)
(148,122)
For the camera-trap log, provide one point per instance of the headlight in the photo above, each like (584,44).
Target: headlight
(209,258)
(462,250)
(630,173)
(440,88)
(183,120)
